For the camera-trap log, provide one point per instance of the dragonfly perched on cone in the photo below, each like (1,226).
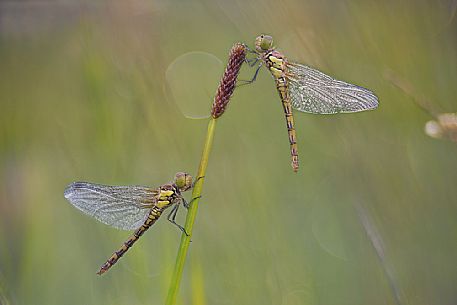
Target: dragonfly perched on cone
(308,90)
(129,207)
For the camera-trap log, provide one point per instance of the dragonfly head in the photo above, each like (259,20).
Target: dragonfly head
(263,43)
(183,181)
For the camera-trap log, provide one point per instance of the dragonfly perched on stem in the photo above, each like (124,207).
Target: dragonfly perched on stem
(129,207)
(307,90)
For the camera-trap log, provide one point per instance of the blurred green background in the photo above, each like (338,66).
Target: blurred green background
(114,92)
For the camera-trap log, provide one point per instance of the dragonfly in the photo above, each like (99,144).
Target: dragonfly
(129,207)
(308,90)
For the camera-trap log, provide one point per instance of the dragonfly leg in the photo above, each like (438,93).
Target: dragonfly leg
(247,82)
(250,50)
(196,180)
(252,62)
(187,204)
(172,216)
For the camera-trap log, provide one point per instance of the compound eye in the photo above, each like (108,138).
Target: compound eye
(183,181)
(266,42)
(180,180)
(188,182)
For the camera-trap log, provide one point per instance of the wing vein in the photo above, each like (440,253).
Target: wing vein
(123,207)
(315,92)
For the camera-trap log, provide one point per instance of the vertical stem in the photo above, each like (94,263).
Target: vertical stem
(190,219)
(224,92)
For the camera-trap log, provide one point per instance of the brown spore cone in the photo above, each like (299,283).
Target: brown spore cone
(228,82)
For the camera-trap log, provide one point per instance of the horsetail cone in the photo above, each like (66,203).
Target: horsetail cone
(228,82)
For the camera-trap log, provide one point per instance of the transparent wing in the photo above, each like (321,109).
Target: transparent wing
(315,92)
(123,207)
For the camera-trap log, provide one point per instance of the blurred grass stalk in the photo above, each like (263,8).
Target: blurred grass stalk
(224,92)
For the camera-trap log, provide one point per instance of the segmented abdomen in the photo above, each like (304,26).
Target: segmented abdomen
(152,218)
(282,86)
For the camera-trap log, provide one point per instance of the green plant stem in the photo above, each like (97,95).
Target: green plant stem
(190,219)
